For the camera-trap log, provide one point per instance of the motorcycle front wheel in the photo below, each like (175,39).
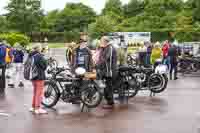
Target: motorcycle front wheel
(91,96)
(51,95)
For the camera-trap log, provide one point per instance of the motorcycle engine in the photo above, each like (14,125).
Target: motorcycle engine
(140,77)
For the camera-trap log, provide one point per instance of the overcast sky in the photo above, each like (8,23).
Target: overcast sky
(49,5)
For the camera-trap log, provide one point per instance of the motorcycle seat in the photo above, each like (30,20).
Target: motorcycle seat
(125,68)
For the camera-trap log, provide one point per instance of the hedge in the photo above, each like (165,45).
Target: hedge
(13,38)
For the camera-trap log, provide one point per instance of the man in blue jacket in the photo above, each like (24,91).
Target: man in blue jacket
(2,67)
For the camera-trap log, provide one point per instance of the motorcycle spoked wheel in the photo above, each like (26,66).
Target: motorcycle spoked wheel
(91,96)
(51,95)
(157,83)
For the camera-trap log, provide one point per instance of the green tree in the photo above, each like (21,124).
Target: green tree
(114,6)
(49,21)
(74,17)
(24,15)
(133,8)
(103,24)
(196,9)
(114,9)
(3,24)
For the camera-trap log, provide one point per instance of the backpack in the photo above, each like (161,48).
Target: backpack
(2,53)
(8,57)
(30,69)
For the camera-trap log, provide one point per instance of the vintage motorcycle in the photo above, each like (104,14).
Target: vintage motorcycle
(65,86)
(188,65)
(149,79)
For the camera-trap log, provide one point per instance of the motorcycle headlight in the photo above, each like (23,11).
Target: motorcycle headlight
(80,71)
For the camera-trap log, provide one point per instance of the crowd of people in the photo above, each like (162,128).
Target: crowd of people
(149,53)
(104,63)
(10,57)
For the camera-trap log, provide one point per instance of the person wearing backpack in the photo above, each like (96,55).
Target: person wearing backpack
(34,70)
(2,67)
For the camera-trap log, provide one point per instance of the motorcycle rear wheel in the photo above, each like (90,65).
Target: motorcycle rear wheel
(162,85)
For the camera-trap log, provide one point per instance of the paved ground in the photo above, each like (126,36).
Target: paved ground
(177,110)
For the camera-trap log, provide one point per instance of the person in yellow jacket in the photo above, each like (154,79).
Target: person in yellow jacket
(156,53)
(9,56)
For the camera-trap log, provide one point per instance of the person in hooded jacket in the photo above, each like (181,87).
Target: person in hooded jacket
(38,81)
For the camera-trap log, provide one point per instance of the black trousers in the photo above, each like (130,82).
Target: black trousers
(108,91)
(173,67)
(2,78)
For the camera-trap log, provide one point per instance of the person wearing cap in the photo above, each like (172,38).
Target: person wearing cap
(108,66)
(82,55)
(38,81)
(156,53)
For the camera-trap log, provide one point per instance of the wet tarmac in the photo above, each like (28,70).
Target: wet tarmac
(177,110)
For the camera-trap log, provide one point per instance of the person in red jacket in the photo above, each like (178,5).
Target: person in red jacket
(165,50)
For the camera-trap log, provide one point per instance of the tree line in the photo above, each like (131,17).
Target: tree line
(181,18)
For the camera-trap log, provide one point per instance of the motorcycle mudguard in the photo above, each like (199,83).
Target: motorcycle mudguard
(161,69)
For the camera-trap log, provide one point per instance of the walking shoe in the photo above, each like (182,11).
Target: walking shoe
(32,110)
(21,84)
(40,111)
(11,85)
(176,78)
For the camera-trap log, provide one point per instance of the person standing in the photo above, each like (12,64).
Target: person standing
(69,53)
(2,67)
(82,55)
(165,50)
(142,54)
(107,67)
(173,55)
(149,51)
(39,65)
(9,61)
(18,60)
(156,54)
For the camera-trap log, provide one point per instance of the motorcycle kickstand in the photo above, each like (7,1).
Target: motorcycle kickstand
(152,94)
(84,107)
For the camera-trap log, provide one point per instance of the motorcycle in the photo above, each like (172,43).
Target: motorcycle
(188,65)
(125,85)
(71,88)
(149,79)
